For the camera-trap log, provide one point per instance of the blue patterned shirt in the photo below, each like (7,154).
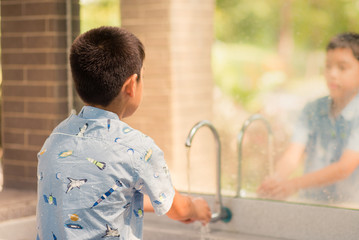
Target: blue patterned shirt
(92,173)
(326,139)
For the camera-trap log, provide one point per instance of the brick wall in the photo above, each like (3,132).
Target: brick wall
(34,81)
(178,85)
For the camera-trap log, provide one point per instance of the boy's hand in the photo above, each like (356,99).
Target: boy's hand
(267,186)
(203,211)
(188,209)
(275,188)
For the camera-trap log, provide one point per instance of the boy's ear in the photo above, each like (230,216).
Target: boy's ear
(129,87)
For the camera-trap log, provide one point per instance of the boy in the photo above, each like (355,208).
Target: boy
(328,132)
(94,169)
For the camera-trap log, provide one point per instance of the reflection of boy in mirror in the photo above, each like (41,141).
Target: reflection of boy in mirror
(328,132)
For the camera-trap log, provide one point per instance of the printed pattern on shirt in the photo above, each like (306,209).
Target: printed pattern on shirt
(98,167)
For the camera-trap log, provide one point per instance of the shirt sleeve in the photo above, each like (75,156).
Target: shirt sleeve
(155,177)
(353,141)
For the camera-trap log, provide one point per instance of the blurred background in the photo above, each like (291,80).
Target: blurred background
(266,57)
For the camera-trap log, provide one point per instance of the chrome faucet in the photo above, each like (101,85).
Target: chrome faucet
(240,138)
(222,213)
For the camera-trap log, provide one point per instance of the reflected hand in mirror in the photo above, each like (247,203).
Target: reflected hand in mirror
(275,188)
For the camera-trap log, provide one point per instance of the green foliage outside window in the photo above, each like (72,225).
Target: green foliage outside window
(277,38)
(96,13)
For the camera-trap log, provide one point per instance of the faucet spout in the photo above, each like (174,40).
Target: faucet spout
(197,126)
(240,137)
(222,213)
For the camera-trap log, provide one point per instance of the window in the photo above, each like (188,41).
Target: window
(269,58)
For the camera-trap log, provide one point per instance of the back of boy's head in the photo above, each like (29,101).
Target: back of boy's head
(101,60)
(345,40)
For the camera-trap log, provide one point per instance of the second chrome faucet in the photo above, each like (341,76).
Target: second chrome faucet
(240,137)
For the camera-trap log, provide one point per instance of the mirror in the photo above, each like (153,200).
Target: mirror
(270,57)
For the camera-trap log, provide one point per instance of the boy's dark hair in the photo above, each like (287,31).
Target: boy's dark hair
(101,60)
(345,40)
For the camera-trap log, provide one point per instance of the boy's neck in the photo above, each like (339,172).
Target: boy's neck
(111,108)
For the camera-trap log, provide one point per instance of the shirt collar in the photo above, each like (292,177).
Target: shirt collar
(89,112)
(350,109)
(347,113)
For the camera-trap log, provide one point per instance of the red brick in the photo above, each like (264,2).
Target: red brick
(12,74)
(13,106)
(37,139)
(45,8)
(23,26)
(20,154)
(57,58)
(49,75)
(31,171)
(75,9)
(24,58)
(13,137)
(75,28)
(25,91)
(47,107)
(59,91)
(11,9)
(17,182)
(11,42)
(39,91)
(57,25)
(29,123)
(45,42)
(13,170)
